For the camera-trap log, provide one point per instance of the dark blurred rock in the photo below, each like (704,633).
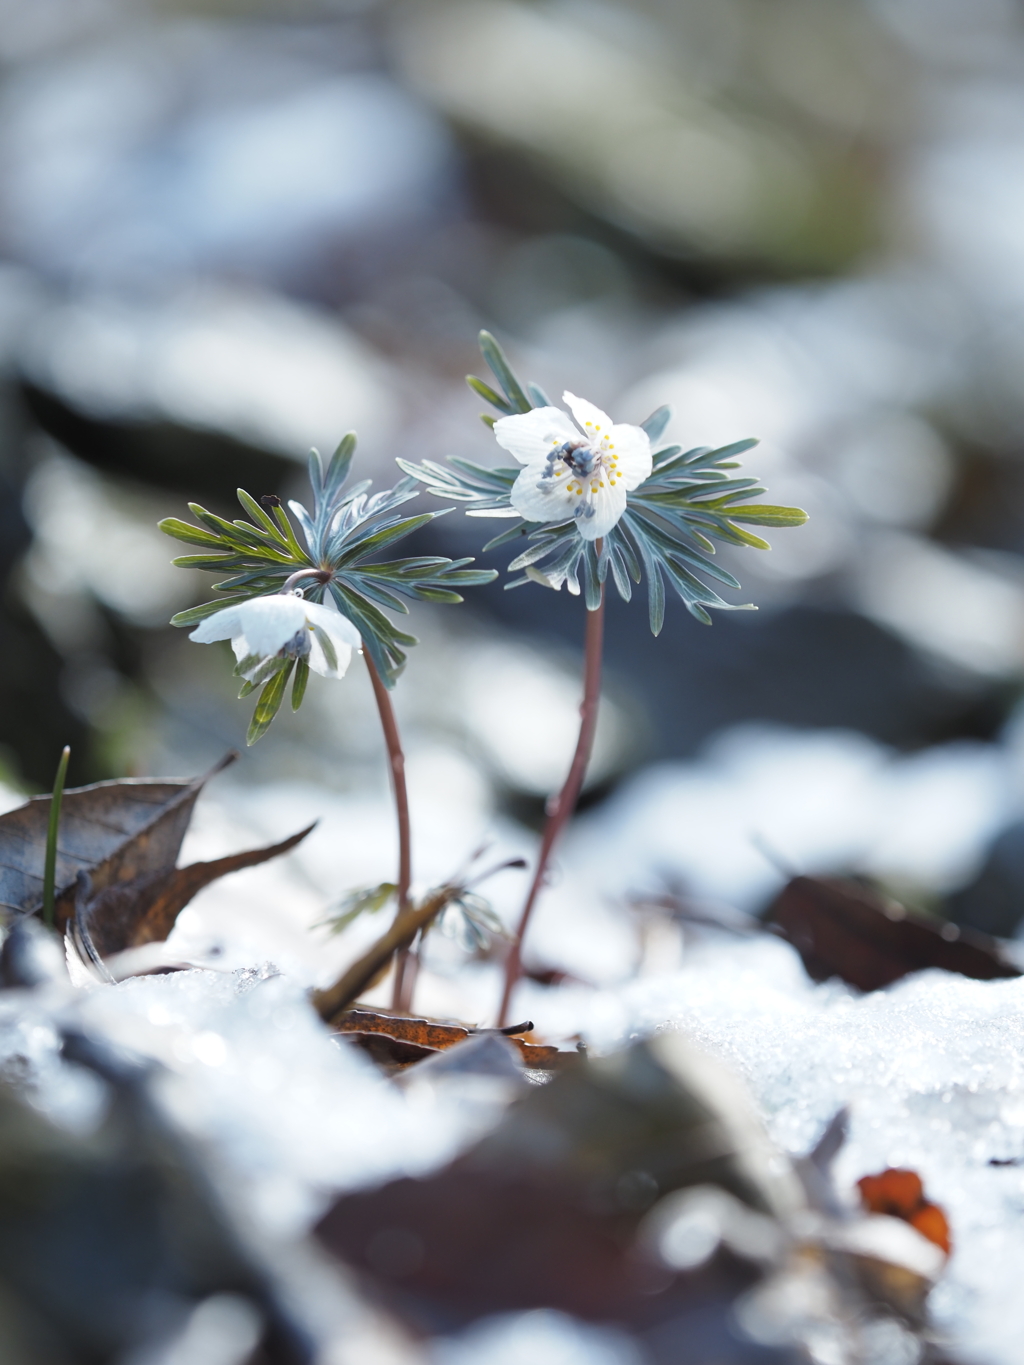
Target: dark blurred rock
(994,900)
(985,507)
(803,665)
(30,956)
(107,1240)
(35,720)
(198,463)
(544,1211)
(808,666)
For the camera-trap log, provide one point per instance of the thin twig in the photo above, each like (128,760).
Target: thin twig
(404,929)
(396,759)
(563,806)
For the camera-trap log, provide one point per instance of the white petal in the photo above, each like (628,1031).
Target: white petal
(608,503)
(531,435)
(243,650)
(341,633)
(222,625)
(318,659)
(594,422)
(268,623)
(543,504)
(265,623)
(338,627)
(632,448)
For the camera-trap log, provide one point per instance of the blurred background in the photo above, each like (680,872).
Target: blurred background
(232,231)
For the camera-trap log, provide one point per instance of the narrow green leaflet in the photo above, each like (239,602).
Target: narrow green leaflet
(362,901)
(470,920)
(666,534)
(269,703)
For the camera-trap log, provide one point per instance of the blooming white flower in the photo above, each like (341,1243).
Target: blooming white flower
(283,625)
(575,471)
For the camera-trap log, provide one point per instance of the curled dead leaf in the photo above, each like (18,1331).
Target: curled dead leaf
(844,929)
(397,1041)
(113,831)
(144,910)
(900,1194)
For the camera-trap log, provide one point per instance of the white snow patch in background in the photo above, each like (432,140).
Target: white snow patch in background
(820,800)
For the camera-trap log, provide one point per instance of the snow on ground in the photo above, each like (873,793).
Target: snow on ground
(932,1068)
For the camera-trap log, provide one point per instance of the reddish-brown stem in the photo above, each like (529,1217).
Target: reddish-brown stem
(396,759)
(562,807)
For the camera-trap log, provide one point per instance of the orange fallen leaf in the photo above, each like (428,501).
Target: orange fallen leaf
(931,1222)
(900,1194)
(431,1035)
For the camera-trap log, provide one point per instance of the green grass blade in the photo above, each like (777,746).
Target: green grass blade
(50,866)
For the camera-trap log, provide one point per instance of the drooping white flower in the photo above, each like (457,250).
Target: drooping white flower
(581,471)
(283,625)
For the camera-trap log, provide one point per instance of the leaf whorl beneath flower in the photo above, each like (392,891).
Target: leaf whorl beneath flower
(666,533)
(346,528)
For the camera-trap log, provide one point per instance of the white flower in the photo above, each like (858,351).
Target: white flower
(283,625)
(583,473)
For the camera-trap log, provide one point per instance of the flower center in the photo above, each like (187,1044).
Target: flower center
(299,645)
(582,470)
(581,459)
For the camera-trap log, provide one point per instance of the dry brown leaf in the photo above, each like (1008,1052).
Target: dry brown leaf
(113,831)
(143,910)
(417,1038)
(841,928)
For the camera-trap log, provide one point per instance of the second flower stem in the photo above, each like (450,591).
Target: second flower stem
(396,761)
(563,805)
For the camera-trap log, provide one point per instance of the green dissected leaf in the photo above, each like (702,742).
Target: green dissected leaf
(365,900)
(194,615)
(761,514)
(382,539)
(502,371)
(299,685)
(522,529)
(380,638)
(212,565)
(237,535)
(672,520)
(266,669)
(269,703)
(191,535)
(656,423)
(250,505)
(487,394)
(346,530)
(470,920)
(620,576)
